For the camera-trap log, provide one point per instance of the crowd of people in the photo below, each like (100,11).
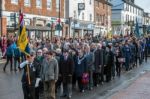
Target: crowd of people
(73,63)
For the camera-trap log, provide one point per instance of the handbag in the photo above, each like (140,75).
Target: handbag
(85,78)
(121,60)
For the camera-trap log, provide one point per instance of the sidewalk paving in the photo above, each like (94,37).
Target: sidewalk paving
(2,61)
(140,89)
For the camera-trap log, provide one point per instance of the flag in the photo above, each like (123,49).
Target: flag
(137,32)
(22,36)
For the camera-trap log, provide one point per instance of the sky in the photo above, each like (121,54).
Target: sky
(145,4)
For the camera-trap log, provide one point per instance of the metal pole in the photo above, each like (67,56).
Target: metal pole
(74,30)
(59,16)
(69,27)
(1,16)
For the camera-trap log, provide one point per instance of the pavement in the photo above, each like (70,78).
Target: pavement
(139,89)
(131,85)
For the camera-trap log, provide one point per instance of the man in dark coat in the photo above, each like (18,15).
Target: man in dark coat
(28,77)
(109,63)
(66,72)
(98,63)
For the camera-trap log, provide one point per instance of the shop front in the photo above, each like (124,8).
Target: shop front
(82,29)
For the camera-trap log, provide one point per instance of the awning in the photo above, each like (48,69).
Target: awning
(32,28)
(38,28)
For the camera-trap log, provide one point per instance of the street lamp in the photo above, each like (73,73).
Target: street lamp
(59,16)
(1,16)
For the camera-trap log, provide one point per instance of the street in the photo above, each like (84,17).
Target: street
(119,88)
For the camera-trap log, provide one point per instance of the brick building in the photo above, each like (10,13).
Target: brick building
(41,17)
(102,17)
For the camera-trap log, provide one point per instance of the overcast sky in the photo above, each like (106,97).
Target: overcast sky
(145,4)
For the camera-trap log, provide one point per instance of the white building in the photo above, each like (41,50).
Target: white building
(125,15)
(146,19)
(80,14)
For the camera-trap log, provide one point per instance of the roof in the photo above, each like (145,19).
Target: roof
(131,3)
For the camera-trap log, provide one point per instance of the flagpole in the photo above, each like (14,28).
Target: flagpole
(29,80)
(28,73)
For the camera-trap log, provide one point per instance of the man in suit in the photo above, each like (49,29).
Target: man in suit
(66,72)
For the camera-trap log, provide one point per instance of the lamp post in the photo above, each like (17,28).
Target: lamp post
(59,16)
(51,30)
(1,16)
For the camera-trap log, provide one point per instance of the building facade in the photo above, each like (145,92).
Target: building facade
(80,14)
(41,17)
(102,17)
(146,22)
(125,15)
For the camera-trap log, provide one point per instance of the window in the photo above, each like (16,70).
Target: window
(126,18)
(90,2)
(57,5)
(49,4)
(39,3)
(97,3)
(14,1)
(103,5)
(90,17)
(82,16)
(27,2)
(75,14)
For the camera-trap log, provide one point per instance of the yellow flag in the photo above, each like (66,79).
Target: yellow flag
(23,40)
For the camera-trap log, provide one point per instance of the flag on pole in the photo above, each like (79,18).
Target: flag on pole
(22,36)
(137,32)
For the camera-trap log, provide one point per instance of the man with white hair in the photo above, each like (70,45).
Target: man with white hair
(38,65)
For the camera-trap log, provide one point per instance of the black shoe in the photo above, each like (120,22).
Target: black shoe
(69,97)
(64,96)
(15,70)
(4,69)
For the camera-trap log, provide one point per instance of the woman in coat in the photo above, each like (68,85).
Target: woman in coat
(80,68)
(90,65)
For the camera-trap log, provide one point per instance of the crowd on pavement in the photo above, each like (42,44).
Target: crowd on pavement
(82,63)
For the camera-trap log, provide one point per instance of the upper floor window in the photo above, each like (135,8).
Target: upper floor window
(103,5)
(90,2)
(58,4)
(82,16)
(90,17)
(75,14)
(27,2)
(39,3)
(14,1)
(49,4)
